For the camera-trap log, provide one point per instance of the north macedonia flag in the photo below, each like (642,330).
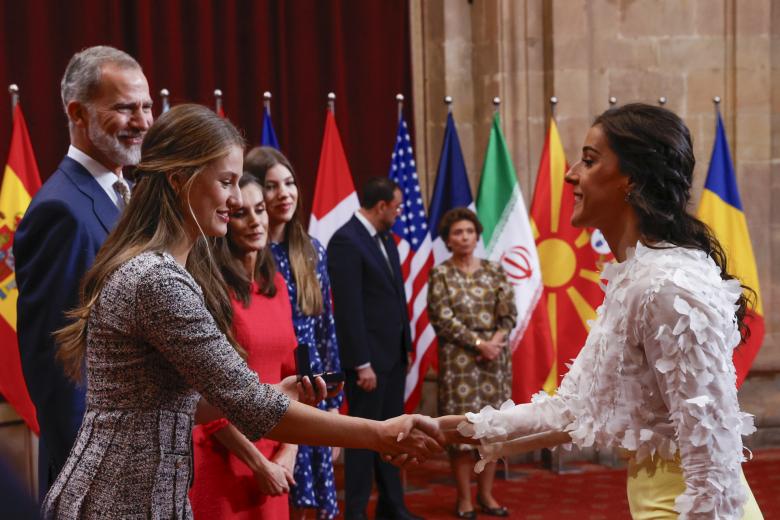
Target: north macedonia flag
(570,260)
(20,182)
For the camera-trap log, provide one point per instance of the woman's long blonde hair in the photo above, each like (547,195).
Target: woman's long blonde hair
(303,256)
(181,143)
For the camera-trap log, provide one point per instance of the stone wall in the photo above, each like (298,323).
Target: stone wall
(583,52)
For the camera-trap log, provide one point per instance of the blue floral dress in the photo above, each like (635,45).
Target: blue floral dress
(316,486)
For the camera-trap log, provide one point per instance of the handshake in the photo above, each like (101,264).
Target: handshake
(411,439)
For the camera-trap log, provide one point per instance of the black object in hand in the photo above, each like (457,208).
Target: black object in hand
(303,366)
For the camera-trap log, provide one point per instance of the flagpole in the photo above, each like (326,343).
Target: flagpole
(217,100)
(662,100)
(165,95)
(612,101)
(267,101)
(13,89)
(496,104)
(553,104)
(716,102)
(332,102)
(399,98)
(448,101)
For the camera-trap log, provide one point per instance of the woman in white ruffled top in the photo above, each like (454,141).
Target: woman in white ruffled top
(655,376)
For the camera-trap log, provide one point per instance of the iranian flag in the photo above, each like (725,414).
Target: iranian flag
(509,240)
(335,199)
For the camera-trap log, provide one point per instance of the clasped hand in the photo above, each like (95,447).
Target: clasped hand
(409,439)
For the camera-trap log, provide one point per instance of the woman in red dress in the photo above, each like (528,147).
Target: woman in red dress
(235,478)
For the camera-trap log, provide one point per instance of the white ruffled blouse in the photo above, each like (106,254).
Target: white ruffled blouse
(655,377)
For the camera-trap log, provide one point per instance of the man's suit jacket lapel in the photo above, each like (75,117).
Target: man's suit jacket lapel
(105,210)
(369,243)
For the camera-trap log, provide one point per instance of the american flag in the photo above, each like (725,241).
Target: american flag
(415,250)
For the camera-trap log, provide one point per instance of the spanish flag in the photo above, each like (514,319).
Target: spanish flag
(20,182)
(570,261)
(721,209)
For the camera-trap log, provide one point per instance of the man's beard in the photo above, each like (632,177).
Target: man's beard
(110,145)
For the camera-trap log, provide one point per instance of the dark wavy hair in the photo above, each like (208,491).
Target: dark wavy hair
(655,150)
(455,215)
(233,269)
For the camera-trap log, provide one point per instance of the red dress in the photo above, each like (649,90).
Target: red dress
(224,487)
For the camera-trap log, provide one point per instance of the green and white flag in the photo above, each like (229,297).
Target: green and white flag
(507,233)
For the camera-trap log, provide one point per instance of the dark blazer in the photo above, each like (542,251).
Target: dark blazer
(372,323)
(55,244)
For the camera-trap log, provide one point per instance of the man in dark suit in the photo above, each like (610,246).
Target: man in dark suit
(106,99)
(372,327)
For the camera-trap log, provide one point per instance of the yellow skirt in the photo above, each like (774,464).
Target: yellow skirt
(654,485)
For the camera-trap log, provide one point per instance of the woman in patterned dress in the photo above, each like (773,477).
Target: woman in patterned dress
(472,308)
(301,260)
(655,378)
(152,335)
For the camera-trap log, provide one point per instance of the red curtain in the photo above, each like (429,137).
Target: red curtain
(298,49)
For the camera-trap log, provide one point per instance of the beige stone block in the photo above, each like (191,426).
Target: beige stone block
(753,91)
(599,92)
(753,138)
(709,17)
(534,17)
(753,17)
(656,18)
(484,16)
(457,20)
(623,85)
(681,53)
(535,53)
(572,53)
(432,13)
(631,85)
(653,84)
(572,89)
(618,52)
(569,19)
(776,145)
(753,52)
(702,86)
(604,17)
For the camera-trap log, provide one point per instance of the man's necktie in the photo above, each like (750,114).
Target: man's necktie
(123,190)
(380,244)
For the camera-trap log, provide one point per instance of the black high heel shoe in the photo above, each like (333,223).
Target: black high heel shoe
(492,511)
(465,514)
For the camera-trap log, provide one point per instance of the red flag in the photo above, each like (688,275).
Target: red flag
(335,199)
(20,182)
(571,260)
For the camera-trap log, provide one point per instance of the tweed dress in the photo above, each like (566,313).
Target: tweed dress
(152,350)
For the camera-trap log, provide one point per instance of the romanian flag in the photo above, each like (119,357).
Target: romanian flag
(20,182)
(721,209)
(570,260)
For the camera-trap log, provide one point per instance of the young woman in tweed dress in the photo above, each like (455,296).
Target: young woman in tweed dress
(153,336)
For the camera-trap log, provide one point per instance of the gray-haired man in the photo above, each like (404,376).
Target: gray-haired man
(106,99)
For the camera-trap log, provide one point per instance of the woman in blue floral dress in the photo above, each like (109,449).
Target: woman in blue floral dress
(301,260)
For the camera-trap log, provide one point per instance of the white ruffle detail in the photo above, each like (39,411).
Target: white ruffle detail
(655,377)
